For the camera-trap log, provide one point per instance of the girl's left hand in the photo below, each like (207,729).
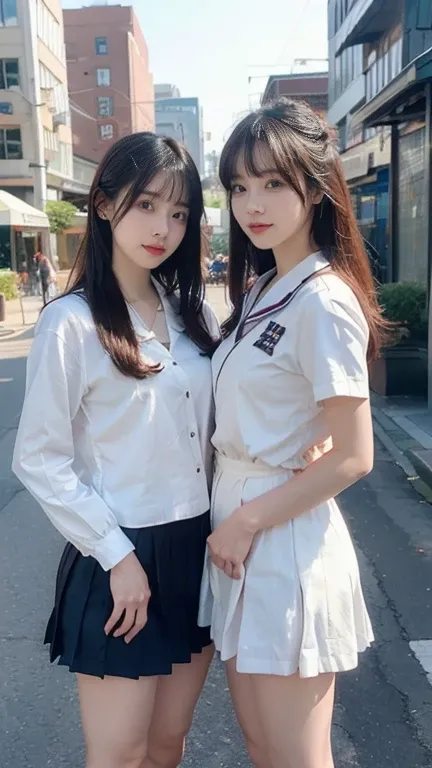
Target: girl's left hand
(230,544)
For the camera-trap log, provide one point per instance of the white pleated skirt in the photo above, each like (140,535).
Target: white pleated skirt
(299,605)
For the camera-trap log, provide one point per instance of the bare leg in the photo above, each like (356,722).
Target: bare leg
(296,714)
(116,715)
(176,699)
(245,705)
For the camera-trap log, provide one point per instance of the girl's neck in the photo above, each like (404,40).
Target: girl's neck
(135,281)
(292,252)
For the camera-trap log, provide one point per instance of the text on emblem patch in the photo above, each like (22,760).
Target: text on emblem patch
(270,337)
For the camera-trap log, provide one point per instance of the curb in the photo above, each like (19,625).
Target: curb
(422,462)
(413,459)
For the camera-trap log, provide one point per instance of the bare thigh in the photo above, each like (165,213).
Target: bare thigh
(296,716)
(174,706)
(116,715)
(247,713)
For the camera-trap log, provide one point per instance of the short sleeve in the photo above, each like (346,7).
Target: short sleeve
(332,345)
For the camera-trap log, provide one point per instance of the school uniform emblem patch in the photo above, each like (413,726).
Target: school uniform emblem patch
(270,337)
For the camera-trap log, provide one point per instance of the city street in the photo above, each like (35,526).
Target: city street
(383,715)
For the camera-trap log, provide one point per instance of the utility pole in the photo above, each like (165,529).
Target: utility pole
(34,97)
(38,166)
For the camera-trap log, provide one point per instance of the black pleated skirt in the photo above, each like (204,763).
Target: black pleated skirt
(172,556)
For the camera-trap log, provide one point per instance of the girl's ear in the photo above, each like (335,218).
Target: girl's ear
(317,197)
(104,207)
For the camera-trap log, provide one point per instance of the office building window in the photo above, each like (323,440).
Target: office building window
(9,73)
(106,131)
(50,140)
(10,144)
(57,96)
(50,32)
(8,13)
(105,106)
(103,78)
(101,46)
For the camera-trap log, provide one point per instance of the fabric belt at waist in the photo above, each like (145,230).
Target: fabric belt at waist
(243,468)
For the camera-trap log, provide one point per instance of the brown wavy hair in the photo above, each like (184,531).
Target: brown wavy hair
(130,164)
(302,146)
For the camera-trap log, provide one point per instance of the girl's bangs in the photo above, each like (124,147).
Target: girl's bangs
(262,144)
(177,185)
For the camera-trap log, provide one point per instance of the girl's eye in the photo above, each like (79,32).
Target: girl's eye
(236,189)
(181,216)
(145,205)
(274,184)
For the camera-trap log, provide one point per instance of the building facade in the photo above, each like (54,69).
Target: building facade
(166,91)
(311,87)
(397,65)
(365,151)
(35,133)
(181,118)
(36,156)
(110,83)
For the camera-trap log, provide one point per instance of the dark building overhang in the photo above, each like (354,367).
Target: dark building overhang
(403,99)
(367,22)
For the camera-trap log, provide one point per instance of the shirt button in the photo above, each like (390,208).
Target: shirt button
(174,363)
(187,394)
(198,469)
(192,434)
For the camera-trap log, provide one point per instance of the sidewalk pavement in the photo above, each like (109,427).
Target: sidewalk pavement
(404,426)
(23,312)
(20,314)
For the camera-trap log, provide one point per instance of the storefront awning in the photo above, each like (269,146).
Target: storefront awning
(16,213)
(401,100)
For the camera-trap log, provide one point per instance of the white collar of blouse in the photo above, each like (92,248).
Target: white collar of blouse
(290,281)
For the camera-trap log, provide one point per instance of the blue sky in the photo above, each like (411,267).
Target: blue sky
(210,49)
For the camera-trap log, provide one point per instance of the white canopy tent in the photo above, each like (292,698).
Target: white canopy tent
(16,213)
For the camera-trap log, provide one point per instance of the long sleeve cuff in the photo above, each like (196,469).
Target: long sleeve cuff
(113,548)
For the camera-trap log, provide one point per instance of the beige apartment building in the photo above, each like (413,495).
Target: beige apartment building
(36,159)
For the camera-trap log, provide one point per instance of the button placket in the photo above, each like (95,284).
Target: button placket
(191,418)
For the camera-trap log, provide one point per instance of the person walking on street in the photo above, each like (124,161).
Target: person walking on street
(282,587)
(114,443)
(47,278)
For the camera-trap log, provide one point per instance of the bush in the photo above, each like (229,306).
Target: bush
(406,305)
(8,284)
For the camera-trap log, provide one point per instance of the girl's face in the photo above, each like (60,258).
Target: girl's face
(153,228)
(266,207)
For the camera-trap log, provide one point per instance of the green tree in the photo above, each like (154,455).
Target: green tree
(61,215)
(219,244)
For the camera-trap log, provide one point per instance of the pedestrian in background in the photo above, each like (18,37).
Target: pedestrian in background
(47,278)
(288,610)
(114,443)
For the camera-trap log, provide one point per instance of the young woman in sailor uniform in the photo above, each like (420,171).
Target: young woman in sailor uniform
(282,587)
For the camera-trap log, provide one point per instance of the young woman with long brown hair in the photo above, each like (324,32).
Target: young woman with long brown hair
(282,590)
(114,442)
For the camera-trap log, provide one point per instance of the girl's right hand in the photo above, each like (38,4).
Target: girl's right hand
(131,594)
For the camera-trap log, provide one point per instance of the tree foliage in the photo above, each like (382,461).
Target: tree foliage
(61,215)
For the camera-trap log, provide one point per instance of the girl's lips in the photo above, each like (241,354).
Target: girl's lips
(258,229)
(154,251)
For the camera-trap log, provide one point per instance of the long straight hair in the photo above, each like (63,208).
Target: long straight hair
(129,166)
(302,148)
